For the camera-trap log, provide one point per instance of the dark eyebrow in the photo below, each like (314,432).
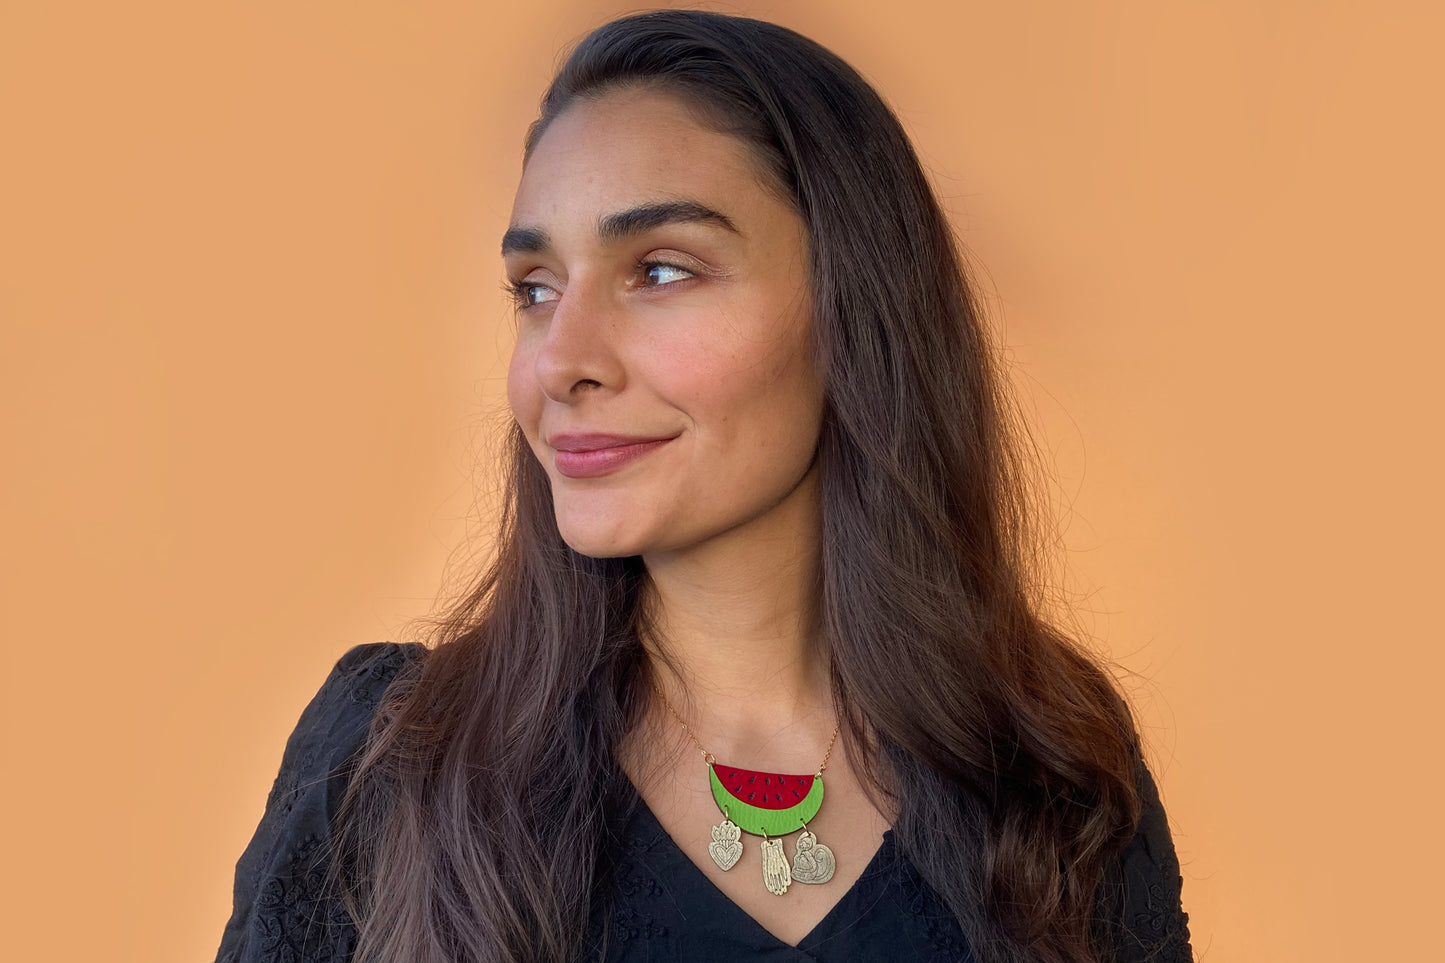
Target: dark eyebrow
(524,240)
(622,224)
(636,220)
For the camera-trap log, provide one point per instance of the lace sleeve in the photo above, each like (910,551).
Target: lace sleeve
(1147,888)
(284,908)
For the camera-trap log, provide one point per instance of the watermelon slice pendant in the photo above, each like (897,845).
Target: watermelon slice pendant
(770,805)
(767,804)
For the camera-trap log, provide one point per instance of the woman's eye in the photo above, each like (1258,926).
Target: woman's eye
(526,294)
(658,274)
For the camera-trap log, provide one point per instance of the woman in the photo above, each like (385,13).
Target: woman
(766,533)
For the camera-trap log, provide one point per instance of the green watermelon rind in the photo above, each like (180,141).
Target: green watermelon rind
(766,822)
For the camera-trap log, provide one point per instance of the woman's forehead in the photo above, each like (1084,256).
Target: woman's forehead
(629,148)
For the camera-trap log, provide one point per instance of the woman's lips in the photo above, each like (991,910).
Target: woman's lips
(600,461)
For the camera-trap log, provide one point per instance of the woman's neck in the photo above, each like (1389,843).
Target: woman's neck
(739,654)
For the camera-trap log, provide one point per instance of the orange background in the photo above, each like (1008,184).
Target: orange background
(253,335)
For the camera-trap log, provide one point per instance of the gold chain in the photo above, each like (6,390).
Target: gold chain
(708,757)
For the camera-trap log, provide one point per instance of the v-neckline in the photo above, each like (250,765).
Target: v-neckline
(653,834)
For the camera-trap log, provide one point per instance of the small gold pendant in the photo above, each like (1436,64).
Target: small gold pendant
(776,875)
(725,849)
(812,861)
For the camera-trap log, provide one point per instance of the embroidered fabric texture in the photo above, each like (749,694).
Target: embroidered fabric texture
(663,907)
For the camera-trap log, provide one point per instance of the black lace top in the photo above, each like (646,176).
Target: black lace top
(663,907)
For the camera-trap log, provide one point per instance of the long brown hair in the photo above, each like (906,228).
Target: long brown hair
(1005,750)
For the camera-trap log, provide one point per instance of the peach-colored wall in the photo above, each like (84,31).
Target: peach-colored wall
(252,327)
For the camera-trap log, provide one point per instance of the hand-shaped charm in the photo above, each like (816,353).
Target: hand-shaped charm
(775,867)
(812,862)
(725,849)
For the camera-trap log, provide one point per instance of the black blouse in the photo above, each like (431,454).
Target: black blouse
(663,908)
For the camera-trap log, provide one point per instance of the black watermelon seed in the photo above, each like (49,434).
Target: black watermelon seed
(752,779)
(796,793)
(750,797)
(765,780)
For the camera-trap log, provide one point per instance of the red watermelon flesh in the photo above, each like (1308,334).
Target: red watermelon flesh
(766,790)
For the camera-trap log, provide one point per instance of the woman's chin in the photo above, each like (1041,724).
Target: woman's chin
(599,550)
(600,542)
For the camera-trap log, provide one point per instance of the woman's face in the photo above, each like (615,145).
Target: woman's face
(663,294)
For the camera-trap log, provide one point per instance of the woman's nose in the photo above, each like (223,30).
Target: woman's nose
(579,351)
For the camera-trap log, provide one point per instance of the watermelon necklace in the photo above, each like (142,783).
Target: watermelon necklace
(770,805)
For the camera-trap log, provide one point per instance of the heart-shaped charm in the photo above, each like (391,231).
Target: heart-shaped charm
(725,849)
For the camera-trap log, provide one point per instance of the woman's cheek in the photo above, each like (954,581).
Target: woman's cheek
(523,392)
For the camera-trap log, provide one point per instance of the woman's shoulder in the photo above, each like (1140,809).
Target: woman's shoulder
(1148,885)
(283,906)
(336,720)
(352,691)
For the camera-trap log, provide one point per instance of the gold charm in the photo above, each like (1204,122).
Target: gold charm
(812,862)
(776,876)
(725,849)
